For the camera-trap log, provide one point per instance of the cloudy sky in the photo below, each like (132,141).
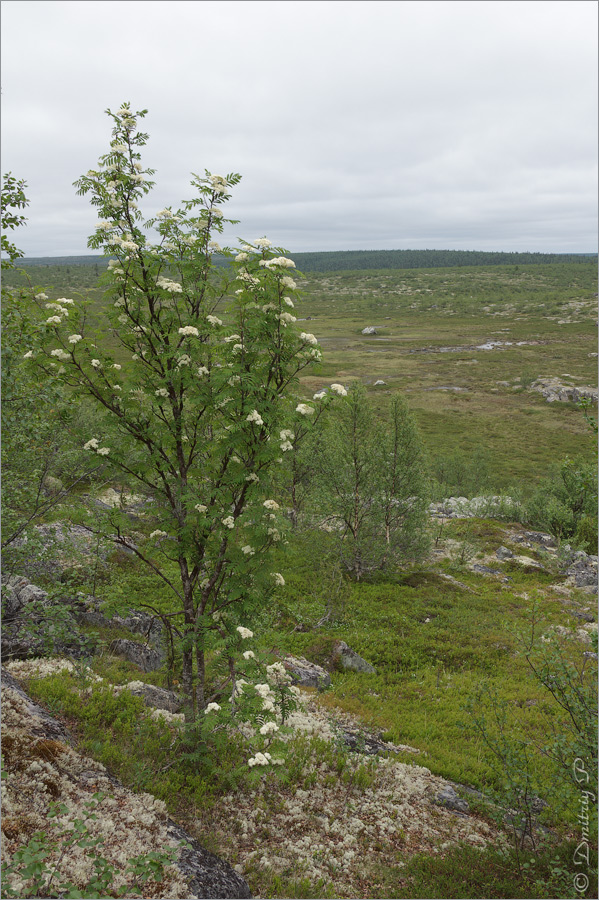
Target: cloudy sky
(355,125)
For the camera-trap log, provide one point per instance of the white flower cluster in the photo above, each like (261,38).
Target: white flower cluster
(260,759)
(158,534)
(163,715)
(255,417)
(248,279)
(278,673)
(245,632)
(248,550)
(304,410)
(167,285)
(339,389)
(228,522)
(286,319)
(262,243)
(189,331)
(280,261)
(279,580)
(271,504)
(93,445)
(308,338)
(214,320)
(219,185)
(212,707)
(58,307)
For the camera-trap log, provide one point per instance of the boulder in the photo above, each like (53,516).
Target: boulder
(553,390)
(583,571)
(140,623)
(146,658)
(370,329)
(306,673)
(156,697)
(539,537)
(349,659)
(207,875)
(380,381)
(16,592)
(485,570)
(36,625)
(448,798)
(503,553)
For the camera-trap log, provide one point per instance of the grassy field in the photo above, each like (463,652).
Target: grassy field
(432,328)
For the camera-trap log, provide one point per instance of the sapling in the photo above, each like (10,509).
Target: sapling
(193,401)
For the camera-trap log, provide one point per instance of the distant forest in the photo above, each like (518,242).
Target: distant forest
(357,260)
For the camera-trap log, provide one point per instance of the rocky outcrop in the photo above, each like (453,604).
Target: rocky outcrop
(582,573)
(40,766)
(553,390)
(35,624)
(207,875)
(306,673)
(464,507)
(347,658)
(157,698)
(147,658)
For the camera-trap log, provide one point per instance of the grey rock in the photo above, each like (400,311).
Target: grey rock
(158,698)
(16,592)
(380,381)
(349,659)
(582,614)
(306,673)
(553,390)
(208,875)
(539,537)
(42,725)
(485,570)
(503,553)
(583,571)
(448,798)
(140,623)
(360,742)
(146,658)
(370,329)
(35,625)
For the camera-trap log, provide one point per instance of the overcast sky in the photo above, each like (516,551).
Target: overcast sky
(355,125)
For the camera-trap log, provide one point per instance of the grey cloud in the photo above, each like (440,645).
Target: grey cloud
(355,124)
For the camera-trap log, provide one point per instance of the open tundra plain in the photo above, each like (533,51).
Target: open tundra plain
(427,762)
